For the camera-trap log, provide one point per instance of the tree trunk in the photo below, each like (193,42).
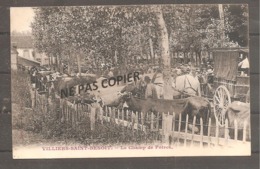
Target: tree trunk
(209,54)
(196,58)
(79,54)
(151,45)
(115,57)
(221,17)
(164,39)
(185,57)
(69,66)
(119,48)
(140,42)
(49,61)
(165,56)
(199,58)
(56,62)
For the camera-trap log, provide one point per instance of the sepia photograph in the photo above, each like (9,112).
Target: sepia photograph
(130,81)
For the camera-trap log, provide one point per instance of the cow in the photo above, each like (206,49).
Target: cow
(193,106)
(240,112)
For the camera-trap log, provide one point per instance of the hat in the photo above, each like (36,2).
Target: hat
(210,71)
(147,79)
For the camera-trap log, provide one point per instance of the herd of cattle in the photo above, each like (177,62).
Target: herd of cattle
(192,106)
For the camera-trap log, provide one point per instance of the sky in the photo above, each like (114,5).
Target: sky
(21,18)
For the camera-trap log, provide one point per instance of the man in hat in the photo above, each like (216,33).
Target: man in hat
(150,91)
(244,65)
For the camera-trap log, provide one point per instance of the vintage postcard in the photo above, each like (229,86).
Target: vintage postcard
(130,81)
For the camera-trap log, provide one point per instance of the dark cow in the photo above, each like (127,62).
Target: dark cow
(199,107)
(193,106)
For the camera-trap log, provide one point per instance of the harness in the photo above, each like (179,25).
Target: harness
(186,80)
(183,91)
(190,87)
(159,84)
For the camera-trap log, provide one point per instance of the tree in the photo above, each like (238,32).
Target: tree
(237,21)
(122,33)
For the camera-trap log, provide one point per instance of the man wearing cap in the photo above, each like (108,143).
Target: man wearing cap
(244,65)
(150,91)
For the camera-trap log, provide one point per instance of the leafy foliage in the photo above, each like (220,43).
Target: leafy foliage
(20,90)
(119,34)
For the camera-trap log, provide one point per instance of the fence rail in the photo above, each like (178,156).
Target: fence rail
(172,128)
(213,136)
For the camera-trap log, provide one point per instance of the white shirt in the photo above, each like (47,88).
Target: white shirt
(244,64)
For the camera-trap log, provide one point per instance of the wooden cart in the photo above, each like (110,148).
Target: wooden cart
(228,82)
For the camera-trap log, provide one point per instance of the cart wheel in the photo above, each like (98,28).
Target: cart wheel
(221,100)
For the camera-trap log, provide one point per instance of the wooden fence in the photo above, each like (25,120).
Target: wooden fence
(216,135)
(170,128)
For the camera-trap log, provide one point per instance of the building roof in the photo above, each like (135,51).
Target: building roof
(22,41)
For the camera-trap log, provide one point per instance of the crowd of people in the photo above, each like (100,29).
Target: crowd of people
(43,78)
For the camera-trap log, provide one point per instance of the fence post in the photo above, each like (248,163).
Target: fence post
(209,137)
(77,112)
(244,131)
(68,113)
(157,126)
(152,118)
(122,123)
(127,114)
(62,111)
(142,120)
(100,115)
(186,130)
(92,118)
(118,117)
(193,127)
(157,121)
(79,109)
(112,118)
(217,133)
(173,126)
(201,132)
(74,115)
(137,122)
(84,111)
(179,129)
(106,114)
(235,125)
(122,117)
(173,123)
(226,132)
(167,128)
(64,107)
(109,114)
(132,121)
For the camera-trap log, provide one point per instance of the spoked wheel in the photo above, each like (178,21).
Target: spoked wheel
(221,100)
